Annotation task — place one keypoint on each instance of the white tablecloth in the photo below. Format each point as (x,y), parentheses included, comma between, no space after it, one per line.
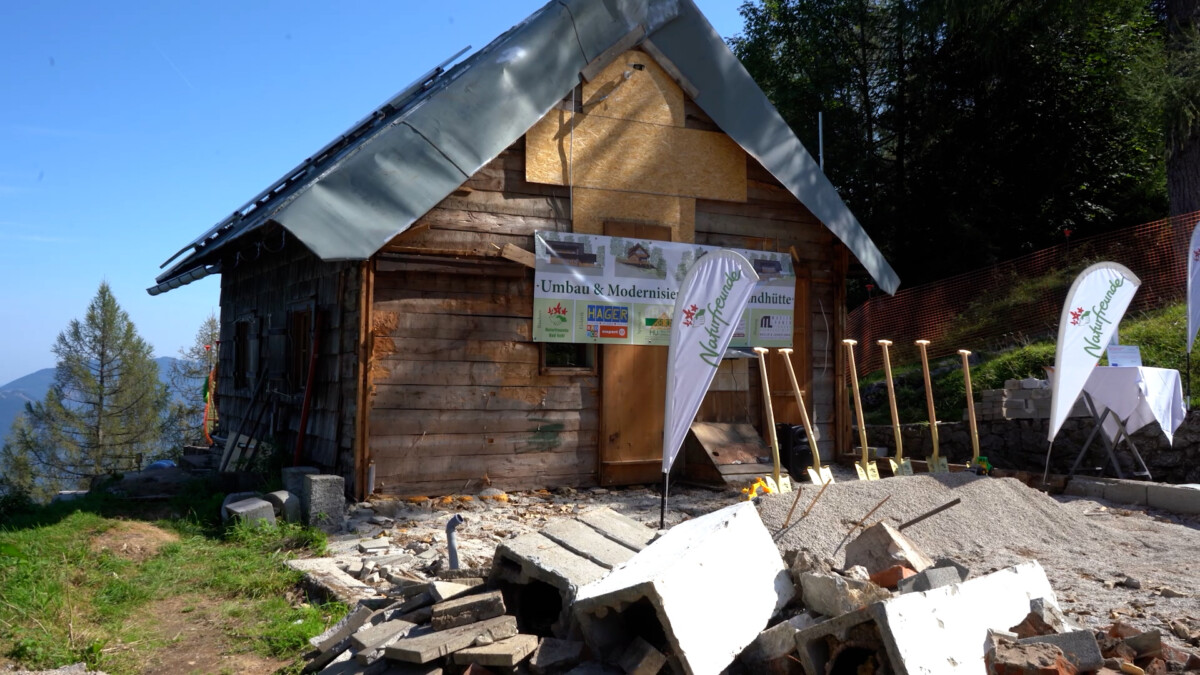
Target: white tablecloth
(1143,395)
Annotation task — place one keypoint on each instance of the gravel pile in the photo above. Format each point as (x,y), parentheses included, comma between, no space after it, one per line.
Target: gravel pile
(1089,548)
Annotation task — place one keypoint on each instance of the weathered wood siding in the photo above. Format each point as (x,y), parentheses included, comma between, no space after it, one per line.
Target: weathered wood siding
(457,396)
(261,285)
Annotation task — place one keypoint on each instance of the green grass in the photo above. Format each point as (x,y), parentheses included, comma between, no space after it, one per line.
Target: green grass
(62,603)
(1161,335)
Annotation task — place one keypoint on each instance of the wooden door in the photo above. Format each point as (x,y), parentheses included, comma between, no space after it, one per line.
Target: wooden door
(633,390)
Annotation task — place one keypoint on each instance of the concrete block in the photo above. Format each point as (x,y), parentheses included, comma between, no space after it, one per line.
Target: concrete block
(235,497)
(1126,492)
(380,635)
(882,546)
(641,658)
(666,589)
(293,478)
(324,501)
(425,648)
(1082,486)
(774,645)
(834,595)
(253,511)
(587,542)
(287,505)
(1032,659)
(532,559)
(944,630)
(1174,498)
(1032,383)
(323,576)
(554,655)
(1079,647)
(465,610)
(441,591)
(621,529)
(963,571)
(934,577)
(505,653)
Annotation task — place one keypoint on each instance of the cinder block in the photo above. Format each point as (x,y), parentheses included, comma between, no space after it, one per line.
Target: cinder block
(287,505)
(1082,486)
(929,579)
(1174,498)
(253,511)
(324,501)
(1078,646)
(675,574)
(235,497)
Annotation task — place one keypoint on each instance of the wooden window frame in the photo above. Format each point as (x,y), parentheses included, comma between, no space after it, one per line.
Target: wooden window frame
(591,369)
(244,359)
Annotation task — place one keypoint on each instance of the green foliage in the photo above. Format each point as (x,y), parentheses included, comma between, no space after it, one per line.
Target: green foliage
(186,380)
(968,131)
(105,412)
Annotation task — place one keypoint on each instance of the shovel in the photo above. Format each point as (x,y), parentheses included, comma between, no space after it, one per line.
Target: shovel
(900,466)
(866,469)
(936,463)
(970,409)
(818,474)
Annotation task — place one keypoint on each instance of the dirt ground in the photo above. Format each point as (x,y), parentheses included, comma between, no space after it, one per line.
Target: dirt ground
(132,540)
(195,629)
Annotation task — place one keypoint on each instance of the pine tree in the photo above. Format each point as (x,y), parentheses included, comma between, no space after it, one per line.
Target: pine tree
(106,410)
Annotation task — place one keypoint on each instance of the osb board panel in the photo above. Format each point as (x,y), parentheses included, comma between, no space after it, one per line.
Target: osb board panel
(592,208)
(606,153)
(635,87)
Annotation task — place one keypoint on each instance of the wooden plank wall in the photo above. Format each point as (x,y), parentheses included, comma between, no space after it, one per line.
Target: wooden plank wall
(457,397)
(262,283)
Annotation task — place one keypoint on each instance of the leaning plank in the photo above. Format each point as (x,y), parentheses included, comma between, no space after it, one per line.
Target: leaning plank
(426,648)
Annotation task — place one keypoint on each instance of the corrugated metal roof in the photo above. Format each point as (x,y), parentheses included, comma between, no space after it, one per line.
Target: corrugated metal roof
(372,183)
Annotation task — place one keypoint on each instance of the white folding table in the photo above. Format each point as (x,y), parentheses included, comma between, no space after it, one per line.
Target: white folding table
(1123,399)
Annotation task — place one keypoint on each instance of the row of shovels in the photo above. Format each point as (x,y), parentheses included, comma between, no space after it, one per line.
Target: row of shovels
(867,469)
(935,463)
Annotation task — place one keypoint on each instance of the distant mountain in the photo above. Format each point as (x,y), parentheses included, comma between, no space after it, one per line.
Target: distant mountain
(33,387)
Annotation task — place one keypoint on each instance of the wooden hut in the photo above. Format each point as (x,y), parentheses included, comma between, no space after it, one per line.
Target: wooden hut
(377,302)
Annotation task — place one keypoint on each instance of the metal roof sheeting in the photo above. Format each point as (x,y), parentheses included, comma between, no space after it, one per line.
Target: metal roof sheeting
(376,180)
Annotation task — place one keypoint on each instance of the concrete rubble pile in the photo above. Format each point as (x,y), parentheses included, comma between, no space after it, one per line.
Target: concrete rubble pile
(601,593)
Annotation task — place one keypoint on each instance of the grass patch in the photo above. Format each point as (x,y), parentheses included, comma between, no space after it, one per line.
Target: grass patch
(64,602)
(1160,334)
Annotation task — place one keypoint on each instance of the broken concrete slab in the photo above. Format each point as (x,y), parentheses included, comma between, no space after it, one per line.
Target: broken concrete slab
(252,511)
(505,653)
(379,635)
(533,561)
(335,641)
(345,664)
(287,505)
(323,501)
(834,595)
(641,658)
(666,589)
(554,655)
(943,630)
(771,652)
(1080,647)
(928,579)
(881,546)
(621,529)
(425,648)
(469,609)
(1027,659)
(587,542)
(323,576)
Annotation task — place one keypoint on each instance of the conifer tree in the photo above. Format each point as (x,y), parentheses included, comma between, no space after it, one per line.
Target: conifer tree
(106,411)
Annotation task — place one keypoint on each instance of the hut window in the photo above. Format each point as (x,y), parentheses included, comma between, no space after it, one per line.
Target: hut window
(241,354)
(563,357)
(299,347)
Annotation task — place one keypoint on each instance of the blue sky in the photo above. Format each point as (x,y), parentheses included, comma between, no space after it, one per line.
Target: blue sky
(128,128)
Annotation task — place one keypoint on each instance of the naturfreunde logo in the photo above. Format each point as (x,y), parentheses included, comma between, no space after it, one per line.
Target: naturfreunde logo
(711,318)
(1096,318)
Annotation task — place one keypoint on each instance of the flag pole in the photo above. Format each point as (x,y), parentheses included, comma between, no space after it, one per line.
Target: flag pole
(662,506)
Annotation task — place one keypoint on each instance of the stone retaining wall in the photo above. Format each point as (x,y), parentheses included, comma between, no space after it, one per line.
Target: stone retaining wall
(1021,445)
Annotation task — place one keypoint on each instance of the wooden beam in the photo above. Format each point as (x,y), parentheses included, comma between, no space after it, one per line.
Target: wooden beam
(631,40)
(672,70)
(518,255)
